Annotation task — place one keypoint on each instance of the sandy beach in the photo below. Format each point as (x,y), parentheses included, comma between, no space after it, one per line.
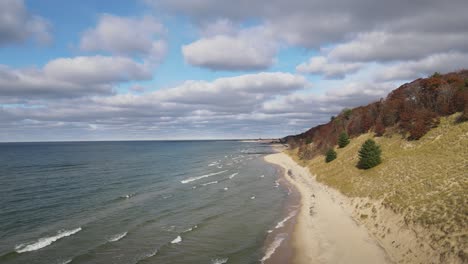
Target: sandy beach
(325,231)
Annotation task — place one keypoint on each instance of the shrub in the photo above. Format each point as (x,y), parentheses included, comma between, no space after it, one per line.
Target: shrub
(369,155)
(379,128)
(464,116)
(436,75)
(306,152)
(423,121)
(347,113)
(343,140)
(331,155)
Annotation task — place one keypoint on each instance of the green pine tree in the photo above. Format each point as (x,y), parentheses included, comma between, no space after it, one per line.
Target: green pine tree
(343,140)
(369,155)
(331,155)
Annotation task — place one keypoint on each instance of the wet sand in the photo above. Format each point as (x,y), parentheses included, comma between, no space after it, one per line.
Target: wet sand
(324,230)
(278,245)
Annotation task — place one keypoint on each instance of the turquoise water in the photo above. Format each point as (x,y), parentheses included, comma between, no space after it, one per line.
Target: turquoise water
(137,202)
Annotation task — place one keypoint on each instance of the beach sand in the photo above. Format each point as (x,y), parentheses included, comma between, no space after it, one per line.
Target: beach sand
(324,230)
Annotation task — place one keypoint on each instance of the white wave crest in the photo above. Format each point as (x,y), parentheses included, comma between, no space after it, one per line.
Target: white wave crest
(201,177)
(149,255)
(253,197)
(219,260)
(45,241)
(272,248)
(176,240)
(233,175)
(191,228)
(277,184)
(282,222)
(117,237)
(208,183)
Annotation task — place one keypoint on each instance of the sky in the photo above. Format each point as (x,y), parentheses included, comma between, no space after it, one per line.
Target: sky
(211,69)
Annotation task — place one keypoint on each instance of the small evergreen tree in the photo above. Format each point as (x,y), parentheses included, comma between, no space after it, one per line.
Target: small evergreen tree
(347,113)
(436,75)
(343,140)
(331,155)
(369,155)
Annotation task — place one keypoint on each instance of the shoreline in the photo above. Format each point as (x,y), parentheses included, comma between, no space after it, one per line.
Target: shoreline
(278,247)
(324,228)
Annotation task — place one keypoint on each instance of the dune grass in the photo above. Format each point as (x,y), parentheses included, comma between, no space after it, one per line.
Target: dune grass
(424,180)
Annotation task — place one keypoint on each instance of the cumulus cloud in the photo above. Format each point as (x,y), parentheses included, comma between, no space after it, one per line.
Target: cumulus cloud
(367,47)
(219,27)
(251,105)
(386,46)
(144,37)
(312,22)
(70,77)
(239,94)
(17,24)
(96,69)
(248,49)
(332,70)
(350,94)
(221,107)
(409,70)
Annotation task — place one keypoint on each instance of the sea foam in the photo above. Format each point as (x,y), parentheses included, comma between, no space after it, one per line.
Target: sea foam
(272,248)
(117,237)
(45,241)
(208,183)
(281,223)
(190,229)
(219,260)
(233,175)
(176,240)
(201,177)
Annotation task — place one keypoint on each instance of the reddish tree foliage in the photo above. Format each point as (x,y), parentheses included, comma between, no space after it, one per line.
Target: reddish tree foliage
(379,128)
(423,120)
(413,108)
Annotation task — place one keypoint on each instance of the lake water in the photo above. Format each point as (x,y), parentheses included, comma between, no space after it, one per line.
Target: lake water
(137,202)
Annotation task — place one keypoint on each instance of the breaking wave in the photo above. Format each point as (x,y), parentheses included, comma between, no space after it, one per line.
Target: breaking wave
(177,240)
(45,241)
(208,183)
(272,248)
(117,237)
(282,222)
(219,260)
(191,229)
(201,177)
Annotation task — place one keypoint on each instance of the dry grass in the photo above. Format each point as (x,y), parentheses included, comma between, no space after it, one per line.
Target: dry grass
(425,180)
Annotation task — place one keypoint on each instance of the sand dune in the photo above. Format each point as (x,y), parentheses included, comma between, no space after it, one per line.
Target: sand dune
(325,231)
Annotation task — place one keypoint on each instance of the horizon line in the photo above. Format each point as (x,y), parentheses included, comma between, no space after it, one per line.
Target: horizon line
(136,140)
